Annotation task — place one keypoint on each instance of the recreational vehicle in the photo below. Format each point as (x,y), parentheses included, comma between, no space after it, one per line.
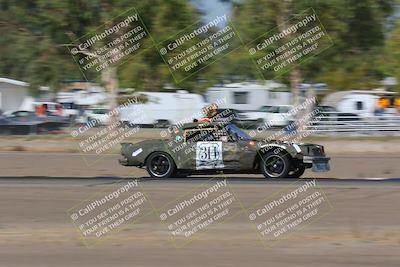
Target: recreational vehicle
(250,96)
(360,102)
(163,108)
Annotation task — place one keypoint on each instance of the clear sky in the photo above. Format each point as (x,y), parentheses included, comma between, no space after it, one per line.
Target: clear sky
(213,8)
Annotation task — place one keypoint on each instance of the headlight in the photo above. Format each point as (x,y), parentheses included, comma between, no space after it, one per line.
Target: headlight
(298,149)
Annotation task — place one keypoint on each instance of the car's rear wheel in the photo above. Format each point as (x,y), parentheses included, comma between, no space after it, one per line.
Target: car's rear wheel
(297,172)
(160,165)
(275,165)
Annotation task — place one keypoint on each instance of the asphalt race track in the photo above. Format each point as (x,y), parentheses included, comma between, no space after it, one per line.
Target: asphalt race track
(343,166)
(357,223)
(361,227)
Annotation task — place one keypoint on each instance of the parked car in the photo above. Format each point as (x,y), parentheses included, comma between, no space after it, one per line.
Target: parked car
(26,122)
(237,117)
(70,110)
(98,116)
(51,108)
(275,116)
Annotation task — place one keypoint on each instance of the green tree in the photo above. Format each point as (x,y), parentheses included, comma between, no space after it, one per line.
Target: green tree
(390,63)
(35,35)
(356,28)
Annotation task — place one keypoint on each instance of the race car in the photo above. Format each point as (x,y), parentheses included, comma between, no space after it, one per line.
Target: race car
(214,147)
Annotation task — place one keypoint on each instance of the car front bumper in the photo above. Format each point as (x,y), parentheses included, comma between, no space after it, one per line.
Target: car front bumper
(123,161)
(319,163)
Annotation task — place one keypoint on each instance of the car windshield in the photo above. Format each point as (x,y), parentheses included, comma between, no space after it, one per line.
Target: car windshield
(22,114)
(68,105)
(327,109)
(233,129)
(237,111)
(228,111)
(265,109)
(99,111)
(284,109)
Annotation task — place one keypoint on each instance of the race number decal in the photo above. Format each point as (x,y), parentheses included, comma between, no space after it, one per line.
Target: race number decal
(209,155)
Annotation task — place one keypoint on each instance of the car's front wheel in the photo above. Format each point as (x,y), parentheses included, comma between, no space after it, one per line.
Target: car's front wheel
(275,165)
(160,165)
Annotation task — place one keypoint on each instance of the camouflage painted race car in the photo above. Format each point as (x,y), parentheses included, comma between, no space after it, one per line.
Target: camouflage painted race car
(204,148)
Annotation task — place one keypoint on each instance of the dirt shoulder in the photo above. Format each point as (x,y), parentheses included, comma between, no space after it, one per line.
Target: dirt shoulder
(67,144)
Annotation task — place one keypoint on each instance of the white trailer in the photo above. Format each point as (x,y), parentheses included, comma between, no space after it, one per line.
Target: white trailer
(250,96)
(360,102)
(163,108)
(13,93)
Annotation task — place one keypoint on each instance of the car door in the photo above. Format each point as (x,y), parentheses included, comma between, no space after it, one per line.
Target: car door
(230,155)
(208,149)
(245,149)
(198,151)
(230,148)
(270,115)
(210,155)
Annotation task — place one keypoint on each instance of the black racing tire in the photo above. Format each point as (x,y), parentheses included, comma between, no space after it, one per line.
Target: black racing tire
(160,165)
(275,165)
(297,172)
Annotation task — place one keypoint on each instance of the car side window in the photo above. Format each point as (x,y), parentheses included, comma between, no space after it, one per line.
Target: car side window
(207,134)
(197,135)
(222,134)
(283,109)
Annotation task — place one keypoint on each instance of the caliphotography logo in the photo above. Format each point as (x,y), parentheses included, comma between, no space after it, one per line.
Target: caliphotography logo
(290,43)
(198,46)
(200,210)
(110,44)
(105,129)
(300,204)
(111,211)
